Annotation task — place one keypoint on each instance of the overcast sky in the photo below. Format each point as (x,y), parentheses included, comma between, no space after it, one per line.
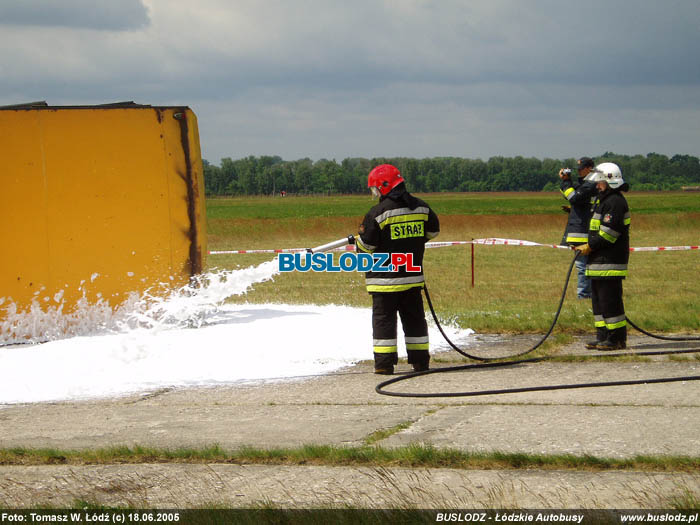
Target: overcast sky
(363,78)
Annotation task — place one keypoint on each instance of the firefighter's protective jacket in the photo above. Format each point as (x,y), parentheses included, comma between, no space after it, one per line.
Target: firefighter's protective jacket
(609,237)
(400,223)
(580,196)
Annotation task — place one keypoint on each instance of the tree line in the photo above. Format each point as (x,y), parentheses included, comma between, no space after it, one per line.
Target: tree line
(269,175)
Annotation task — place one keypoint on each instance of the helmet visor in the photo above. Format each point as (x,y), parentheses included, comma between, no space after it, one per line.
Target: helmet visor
(375,192)
(596,175)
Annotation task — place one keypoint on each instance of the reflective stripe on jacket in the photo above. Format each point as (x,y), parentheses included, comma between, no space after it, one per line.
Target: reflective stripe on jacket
(580,196)
(609,237)
(400,223)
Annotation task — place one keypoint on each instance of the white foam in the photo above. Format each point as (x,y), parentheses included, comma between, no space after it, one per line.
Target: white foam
(159,308)
(187,338)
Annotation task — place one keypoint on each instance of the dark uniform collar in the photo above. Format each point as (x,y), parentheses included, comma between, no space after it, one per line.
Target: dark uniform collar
(396,193)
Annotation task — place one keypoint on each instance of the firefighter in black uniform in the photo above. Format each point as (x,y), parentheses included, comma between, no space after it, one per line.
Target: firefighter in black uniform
(608,250)
(580,195)
(400,223)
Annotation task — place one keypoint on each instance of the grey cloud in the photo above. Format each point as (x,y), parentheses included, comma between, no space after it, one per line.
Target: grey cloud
(609,42)
(371,44)
(107,15)
(339,129)
(464,43)
(328,78)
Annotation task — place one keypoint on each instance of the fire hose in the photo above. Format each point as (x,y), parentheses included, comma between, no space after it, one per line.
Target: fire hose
(487,362)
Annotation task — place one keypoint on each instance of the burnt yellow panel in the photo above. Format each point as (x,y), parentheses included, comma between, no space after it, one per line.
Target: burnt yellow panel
(99,201)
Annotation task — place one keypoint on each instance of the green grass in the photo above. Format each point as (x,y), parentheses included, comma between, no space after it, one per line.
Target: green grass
(525,203)
(381,434)
(685,500)
(517,289)
(413,456)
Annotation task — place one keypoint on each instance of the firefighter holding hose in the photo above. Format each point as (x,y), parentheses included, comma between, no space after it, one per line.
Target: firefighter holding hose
(608,254)
(399,223)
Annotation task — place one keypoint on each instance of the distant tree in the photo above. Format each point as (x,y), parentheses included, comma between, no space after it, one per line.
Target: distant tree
(270,174)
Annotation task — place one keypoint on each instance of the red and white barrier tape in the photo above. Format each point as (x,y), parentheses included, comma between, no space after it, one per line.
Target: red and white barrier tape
(663,248)
(490,241)
(515,242)
(348,248)
(446,243)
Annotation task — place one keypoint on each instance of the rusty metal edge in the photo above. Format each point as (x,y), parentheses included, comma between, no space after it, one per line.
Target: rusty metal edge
(195,255)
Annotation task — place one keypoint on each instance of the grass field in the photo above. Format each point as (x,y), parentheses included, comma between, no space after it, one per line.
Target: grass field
(517,288)
(524,203)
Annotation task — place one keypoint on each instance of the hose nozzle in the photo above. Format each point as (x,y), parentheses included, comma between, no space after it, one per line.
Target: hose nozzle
(350,239)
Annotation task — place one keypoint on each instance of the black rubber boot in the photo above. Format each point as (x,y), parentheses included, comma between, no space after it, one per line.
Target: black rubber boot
(607,346)
(601,334)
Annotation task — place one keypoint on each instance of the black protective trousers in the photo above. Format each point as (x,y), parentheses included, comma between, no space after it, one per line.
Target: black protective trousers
(609,310)
(409,305)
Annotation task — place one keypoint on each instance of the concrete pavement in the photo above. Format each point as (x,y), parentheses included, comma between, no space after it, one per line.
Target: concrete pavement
(343,409)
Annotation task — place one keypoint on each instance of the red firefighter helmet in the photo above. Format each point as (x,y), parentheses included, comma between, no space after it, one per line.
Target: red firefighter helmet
(384,178)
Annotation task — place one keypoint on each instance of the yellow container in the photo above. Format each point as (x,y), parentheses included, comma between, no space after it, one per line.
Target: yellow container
(98,201)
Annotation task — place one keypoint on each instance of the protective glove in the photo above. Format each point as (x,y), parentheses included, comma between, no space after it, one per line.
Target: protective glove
(566,209)
(584,249)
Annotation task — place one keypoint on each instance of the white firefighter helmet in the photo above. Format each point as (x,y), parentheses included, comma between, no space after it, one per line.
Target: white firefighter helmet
(610,173)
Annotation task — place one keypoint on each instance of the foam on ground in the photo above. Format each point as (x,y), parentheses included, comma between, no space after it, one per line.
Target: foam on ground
(188,338)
